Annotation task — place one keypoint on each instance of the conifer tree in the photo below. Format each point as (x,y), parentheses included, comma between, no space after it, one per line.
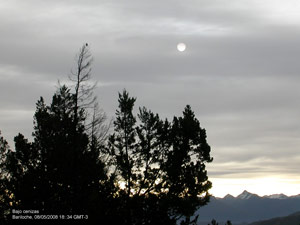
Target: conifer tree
(160,164)
(4,191)
(149,171)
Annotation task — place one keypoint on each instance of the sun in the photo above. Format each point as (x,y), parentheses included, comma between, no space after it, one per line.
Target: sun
(181,47)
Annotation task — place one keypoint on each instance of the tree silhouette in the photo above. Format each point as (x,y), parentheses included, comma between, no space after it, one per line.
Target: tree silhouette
(4,192)
(58,172)
(160,164)
(214,222)
(84,97)
(155,173)
(149,170)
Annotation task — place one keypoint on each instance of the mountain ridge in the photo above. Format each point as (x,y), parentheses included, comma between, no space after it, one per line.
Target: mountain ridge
(292,219)
(273,196)
(248,207)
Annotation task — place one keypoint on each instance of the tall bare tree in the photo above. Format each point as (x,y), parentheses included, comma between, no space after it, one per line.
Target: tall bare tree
(81,75)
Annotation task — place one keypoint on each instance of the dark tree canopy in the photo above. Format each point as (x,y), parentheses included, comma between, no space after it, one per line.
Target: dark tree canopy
(4,192)
(159,163)
(57,172)
(214,222)
(148,171)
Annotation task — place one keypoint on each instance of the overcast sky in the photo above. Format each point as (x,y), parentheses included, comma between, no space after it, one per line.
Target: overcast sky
(240,73)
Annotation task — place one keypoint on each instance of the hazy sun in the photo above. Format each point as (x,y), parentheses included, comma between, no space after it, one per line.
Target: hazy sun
(181,47)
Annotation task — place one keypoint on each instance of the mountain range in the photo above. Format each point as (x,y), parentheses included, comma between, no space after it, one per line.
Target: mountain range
(247,208)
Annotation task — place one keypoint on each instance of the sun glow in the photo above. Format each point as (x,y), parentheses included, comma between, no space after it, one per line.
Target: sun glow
(181,47)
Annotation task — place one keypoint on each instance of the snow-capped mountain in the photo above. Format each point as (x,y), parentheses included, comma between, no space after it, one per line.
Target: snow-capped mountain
(281,196)
(246,195)
(276,196)
(248,207)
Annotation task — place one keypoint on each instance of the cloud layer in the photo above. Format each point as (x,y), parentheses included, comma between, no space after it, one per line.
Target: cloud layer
(240,72)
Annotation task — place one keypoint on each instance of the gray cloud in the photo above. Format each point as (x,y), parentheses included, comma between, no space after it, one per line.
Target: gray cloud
(239,73)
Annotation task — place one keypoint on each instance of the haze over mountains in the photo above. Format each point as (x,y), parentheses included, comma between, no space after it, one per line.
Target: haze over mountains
(248,207)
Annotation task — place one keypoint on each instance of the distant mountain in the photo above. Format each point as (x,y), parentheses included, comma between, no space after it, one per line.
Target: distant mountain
(276,196)
(247,195)
(293,219)
(248,207)
(281,196)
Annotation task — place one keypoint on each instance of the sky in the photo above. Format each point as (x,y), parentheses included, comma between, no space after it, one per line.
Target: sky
(240,73)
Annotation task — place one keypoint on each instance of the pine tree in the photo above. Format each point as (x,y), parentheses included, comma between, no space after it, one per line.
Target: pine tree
(5,193)
(122,144)
(149,171)
(160,164)
(58,172)
(185,175)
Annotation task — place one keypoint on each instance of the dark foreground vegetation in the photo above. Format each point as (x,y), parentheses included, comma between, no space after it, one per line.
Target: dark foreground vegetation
(145,171)
(293,219)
